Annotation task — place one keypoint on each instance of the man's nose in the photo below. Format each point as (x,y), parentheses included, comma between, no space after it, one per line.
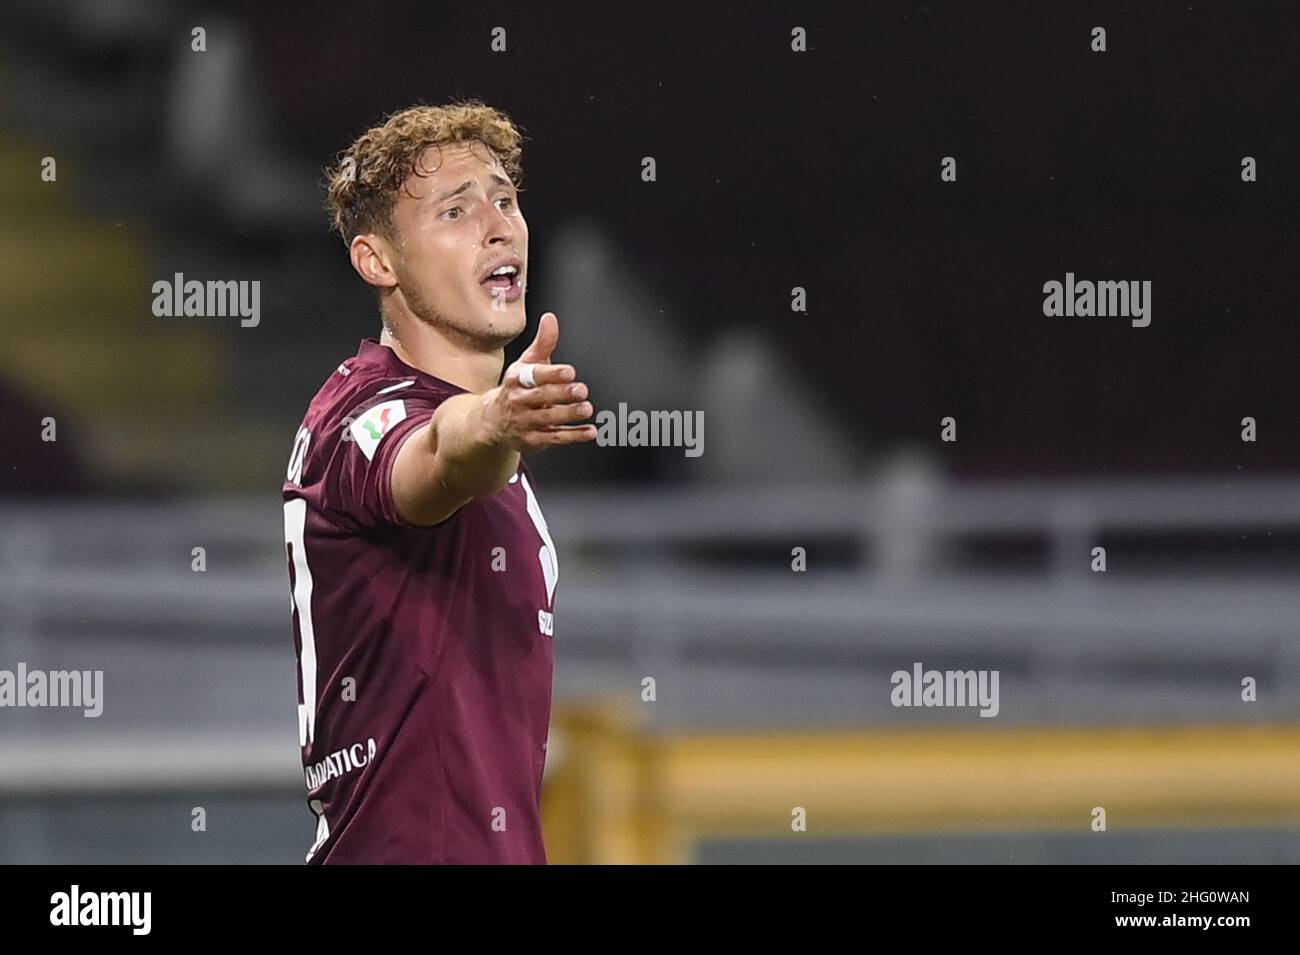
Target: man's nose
(499,228)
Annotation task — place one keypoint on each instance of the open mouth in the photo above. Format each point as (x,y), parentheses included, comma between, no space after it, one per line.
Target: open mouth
(505,283)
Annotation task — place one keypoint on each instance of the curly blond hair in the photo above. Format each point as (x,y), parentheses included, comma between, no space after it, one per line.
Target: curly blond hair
(364,182)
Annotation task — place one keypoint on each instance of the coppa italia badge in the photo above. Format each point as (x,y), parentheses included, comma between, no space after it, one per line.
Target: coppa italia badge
(370,428)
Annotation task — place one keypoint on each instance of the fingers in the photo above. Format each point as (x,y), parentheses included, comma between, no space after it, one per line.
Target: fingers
(543,403)
(544,342)
(578,434)
(555,415)
(542,374)
(545,395)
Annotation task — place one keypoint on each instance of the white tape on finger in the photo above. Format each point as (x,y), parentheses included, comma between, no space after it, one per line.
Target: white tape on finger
(526,376)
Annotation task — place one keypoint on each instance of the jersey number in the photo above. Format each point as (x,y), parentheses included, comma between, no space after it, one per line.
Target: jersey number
(295,526)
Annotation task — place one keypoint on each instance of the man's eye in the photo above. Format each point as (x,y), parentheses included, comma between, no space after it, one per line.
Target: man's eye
(508,200)
(455,209)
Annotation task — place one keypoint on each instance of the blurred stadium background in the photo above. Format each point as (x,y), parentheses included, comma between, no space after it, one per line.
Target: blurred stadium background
(1120,690)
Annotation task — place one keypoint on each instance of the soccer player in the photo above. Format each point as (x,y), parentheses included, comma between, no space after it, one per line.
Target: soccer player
(422,572)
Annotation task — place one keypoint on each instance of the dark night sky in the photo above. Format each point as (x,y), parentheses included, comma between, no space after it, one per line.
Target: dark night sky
(821,169)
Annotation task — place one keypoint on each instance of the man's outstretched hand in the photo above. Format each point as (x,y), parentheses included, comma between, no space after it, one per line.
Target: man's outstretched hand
(471,446)
(538,404)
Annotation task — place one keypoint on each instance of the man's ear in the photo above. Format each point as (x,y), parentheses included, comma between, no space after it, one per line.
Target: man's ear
(372,257)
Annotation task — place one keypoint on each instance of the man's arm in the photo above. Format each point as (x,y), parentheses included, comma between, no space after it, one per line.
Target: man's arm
(471,446)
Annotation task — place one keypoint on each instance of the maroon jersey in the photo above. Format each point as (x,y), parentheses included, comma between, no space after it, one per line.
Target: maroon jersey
(424,654)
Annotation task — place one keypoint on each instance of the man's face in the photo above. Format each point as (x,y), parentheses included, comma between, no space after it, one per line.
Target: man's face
(457,220)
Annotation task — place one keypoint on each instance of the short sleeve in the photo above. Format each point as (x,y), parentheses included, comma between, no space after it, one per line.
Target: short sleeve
(359,474)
